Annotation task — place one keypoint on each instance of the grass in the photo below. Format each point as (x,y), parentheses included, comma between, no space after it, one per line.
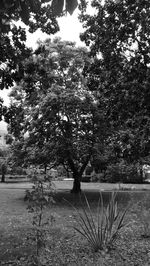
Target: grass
(65,246)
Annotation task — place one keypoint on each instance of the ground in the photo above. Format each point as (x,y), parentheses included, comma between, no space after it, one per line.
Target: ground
(65,246)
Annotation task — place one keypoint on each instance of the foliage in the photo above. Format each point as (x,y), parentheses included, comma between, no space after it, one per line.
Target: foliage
(12,40)
(124,173)
(103,232)
(16,9)
(118,36)
(35,14)
(58,6)
(54,117)
(39,198)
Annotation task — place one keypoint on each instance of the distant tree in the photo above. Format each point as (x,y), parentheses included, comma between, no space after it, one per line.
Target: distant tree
(3,171)
(55,110)
(118,35)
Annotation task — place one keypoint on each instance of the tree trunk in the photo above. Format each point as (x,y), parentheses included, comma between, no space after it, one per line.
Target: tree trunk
(76,183)
(3,178)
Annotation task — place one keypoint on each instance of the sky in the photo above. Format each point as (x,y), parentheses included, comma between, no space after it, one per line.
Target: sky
(70,29)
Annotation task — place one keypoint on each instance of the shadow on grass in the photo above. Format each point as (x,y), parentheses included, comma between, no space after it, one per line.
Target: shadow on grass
(65,198)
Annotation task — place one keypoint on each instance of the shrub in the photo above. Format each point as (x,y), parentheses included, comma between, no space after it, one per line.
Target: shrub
(123,172)
(102,231)
(86,178)
(39,197)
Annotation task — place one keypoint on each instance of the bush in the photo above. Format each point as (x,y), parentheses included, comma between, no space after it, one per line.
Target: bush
(86,178)
(124,173)
(16,171)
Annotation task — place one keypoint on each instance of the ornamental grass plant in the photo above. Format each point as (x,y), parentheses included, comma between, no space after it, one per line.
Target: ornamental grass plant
(103,229)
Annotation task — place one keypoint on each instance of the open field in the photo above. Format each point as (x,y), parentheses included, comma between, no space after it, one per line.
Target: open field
(66,246)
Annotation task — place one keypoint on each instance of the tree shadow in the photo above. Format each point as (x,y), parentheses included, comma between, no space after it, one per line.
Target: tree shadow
(65,198)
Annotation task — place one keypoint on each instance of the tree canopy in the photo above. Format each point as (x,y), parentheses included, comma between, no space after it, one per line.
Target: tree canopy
(53,106)
(118,35)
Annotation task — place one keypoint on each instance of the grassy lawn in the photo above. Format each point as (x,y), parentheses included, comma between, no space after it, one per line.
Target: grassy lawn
(65,246)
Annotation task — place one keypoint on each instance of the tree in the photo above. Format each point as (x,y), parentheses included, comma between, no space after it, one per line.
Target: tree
(3,170)
(3,163)
(119,37)
(53,106)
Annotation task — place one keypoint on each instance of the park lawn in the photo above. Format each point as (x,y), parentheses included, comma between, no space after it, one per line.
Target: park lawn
(64,245)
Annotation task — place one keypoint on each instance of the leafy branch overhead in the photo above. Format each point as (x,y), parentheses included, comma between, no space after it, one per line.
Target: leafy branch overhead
(36,14)
(15,8)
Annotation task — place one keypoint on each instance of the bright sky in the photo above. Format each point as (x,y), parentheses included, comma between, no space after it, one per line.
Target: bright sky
(70,29)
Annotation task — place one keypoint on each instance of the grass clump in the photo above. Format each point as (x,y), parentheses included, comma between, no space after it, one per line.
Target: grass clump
(103,230)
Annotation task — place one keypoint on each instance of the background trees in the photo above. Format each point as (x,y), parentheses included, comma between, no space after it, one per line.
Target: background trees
(119,38)
(53,107)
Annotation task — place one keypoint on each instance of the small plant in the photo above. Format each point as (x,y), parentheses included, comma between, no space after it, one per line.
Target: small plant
(39,198)
(144,216)
(101,231)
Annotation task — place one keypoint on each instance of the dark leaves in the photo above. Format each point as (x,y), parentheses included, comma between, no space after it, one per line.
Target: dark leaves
(71,6)
(57,7)
(24,12)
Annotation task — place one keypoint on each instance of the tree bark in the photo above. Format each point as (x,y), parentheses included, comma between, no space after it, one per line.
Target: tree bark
(76,184)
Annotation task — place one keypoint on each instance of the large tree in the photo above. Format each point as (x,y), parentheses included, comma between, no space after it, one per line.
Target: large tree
(54,109)
(118,35)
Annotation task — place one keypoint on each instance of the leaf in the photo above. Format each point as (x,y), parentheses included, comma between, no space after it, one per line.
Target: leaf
(57,7)
(2,6)
(34,5)
(8,3)
(71,6)
(24,13)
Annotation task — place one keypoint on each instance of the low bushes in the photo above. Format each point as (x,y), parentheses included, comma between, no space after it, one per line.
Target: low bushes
(124,173)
